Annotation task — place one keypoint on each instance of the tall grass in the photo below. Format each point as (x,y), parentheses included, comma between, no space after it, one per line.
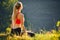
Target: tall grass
(37,37)
(53,35)
(49,35)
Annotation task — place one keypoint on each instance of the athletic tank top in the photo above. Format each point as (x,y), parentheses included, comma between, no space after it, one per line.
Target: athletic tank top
(17,21)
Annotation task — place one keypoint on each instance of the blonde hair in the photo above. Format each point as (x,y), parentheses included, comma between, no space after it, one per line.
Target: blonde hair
(15,10)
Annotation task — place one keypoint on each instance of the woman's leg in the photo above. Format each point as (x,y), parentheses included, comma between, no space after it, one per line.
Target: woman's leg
(16,31)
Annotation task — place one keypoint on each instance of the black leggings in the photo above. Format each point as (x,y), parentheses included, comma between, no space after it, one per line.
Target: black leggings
(16,31)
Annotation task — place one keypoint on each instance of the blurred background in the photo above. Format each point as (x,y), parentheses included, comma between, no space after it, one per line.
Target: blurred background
(39,14)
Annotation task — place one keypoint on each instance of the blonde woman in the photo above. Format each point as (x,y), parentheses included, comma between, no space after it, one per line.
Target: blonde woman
(17,19)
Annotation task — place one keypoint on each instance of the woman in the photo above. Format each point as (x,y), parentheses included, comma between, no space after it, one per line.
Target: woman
(17,19)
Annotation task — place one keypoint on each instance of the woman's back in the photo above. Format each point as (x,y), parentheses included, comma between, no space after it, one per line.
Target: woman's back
(18,19)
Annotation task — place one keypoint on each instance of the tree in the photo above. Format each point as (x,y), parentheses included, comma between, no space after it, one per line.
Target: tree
(6,7)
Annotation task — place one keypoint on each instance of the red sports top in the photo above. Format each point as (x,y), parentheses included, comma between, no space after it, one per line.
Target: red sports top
(17,21)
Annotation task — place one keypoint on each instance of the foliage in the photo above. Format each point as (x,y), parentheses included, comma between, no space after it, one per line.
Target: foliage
(6,7)
(49,35)
(46,36)
(8,30)
(58,23)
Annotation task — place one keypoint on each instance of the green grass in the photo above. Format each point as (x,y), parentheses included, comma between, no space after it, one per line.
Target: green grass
(46,36)
(49,35)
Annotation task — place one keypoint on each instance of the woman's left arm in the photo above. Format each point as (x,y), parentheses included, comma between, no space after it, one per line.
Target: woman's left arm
(22,23)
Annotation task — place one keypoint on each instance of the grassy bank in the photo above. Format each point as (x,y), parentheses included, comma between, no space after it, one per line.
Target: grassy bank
(54,35)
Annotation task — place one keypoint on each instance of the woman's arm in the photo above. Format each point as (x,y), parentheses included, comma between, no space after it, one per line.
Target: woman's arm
(12,21)
(22,23)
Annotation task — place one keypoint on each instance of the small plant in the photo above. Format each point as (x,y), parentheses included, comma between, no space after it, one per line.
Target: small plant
(8,30)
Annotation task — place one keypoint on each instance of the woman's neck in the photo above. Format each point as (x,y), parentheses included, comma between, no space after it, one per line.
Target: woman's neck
(19,10)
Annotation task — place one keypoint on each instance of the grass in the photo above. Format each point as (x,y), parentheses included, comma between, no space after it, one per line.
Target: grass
(49,35)
(45,36)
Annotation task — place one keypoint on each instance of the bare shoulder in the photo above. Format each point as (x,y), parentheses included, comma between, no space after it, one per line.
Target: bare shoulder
(22,14)
(23,17)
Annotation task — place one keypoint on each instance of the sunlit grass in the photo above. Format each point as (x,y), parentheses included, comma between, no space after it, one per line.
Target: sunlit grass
(46,36)
(37,37)
(49,35)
